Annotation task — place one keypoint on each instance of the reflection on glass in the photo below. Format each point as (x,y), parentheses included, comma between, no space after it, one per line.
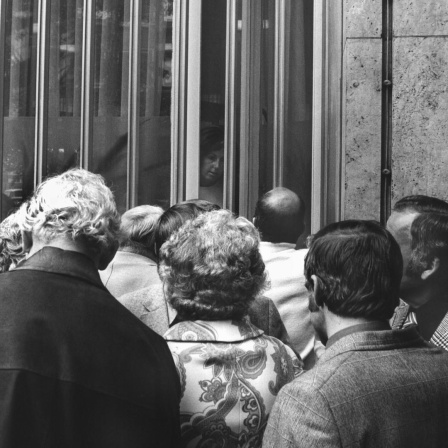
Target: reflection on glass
(64,93)
(155,103)
(19,102)
(211,168)
(298,129)
(111,76)
(213,73)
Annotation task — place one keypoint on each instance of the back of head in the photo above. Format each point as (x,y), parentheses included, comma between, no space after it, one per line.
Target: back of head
(429,236)
(137,227)
(279,216)
(421,204)
(359,266)
(10,243)
(212,267)
(76,205)
(176,216)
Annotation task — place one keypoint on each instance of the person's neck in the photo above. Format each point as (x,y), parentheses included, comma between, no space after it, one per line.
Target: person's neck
(138,249)
(431,313)
(61,243)
(335,323)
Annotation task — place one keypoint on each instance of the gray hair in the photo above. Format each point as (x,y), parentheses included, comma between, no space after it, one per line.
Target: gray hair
(138,225)
(75,204)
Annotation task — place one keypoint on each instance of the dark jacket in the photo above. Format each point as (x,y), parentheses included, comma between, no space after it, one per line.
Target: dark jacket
(76,368)
(370,389)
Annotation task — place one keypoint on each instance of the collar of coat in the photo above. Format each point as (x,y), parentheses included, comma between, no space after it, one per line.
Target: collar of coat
(65,262)
(213,331)
(375,340)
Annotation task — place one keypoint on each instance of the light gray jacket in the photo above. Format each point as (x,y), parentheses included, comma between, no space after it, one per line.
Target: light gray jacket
(369,389)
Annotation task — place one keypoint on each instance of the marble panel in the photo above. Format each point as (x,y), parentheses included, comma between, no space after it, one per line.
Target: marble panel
(363,129)
(420,117)
(363,18)
(420,17)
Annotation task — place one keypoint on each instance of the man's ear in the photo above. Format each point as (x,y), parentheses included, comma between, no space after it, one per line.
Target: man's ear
(317,291)
(433,268)
(27,241)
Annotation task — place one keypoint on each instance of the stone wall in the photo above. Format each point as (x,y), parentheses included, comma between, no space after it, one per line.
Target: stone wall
(362,63)
(420,102)
(420,99)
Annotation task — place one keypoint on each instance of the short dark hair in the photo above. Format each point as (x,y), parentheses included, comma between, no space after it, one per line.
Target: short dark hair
(279,225)
(429,239)
(176,216)
(212,267)
(359,266)
(421,204)
(211,138)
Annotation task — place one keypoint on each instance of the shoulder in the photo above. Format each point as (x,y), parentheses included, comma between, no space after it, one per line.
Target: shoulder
(149,298)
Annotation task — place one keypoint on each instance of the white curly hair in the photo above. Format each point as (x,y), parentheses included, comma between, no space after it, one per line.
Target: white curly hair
(75,204)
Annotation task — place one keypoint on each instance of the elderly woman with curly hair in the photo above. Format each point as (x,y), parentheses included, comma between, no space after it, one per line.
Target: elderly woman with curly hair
(230,371)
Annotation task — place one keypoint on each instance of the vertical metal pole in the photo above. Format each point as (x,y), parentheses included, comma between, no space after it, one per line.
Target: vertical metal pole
(178,96)
(134,103)
(2,99)
(386,112)
(41,132)
(88,66)
(229,140)
(279,89)
(193,106)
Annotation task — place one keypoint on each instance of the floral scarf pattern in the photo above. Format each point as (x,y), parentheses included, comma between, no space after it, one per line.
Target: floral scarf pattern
(230,374)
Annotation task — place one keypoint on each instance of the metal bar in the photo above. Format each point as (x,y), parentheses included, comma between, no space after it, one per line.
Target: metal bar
(279,91)
(179,92)
(193,106)
(386,112)
(88,54)
(134,103)
(229,139)
(318,121)
(2,93)
(41,131)
(250,106)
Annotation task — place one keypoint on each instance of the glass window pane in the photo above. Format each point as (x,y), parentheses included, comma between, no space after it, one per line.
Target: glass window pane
(213,73)
(19,102)
(111,74)
(299,90)
(155,103)
(64,93)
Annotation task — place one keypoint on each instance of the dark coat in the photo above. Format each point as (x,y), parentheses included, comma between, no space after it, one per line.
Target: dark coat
(76,368)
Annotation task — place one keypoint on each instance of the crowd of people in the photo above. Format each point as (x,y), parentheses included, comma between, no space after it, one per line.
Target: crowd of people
(193,327)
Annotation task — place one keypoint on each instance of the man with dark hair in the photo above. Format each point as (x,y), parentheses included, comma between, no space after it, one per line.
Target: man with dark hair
(134,266)
(279,216)
(373,386)
(420,226)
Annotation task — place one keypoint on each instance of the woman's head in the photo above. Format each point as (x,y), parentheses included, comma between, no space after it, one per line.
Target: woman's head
(212,155)
(176,216)
(212,267)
